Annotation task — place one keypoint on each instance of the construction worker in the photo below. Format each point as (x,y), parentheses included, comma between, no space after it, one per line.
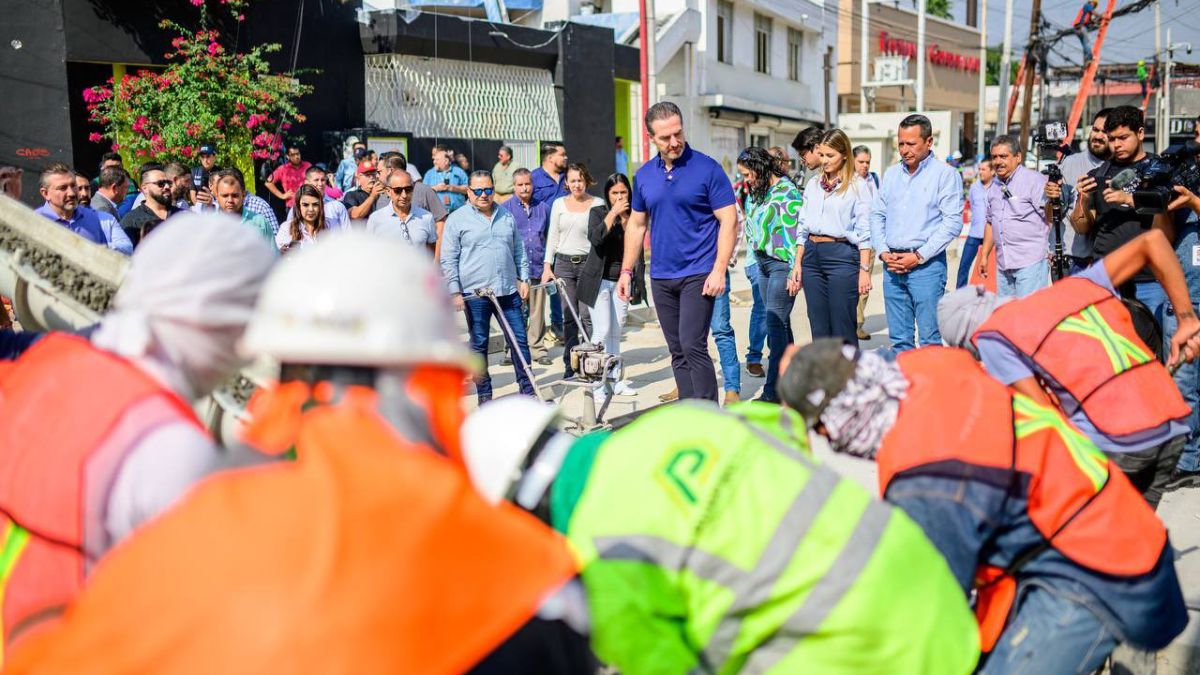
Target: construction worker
(1064,556)
(370,553)
(712,542)
(1074,345)
(98,435)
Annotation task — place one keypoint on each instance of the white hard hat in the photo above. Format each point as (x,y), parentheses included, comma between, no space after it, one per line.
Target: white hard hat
(498,436)
(356,299)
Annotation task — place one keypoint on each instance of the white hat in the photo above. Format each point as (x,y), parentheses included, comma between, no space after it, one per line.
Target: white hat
(498,436)
(356,299)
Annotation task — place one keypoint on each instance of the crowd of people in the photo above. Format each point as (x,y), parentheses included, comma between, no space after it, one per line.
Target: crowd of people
(362,520)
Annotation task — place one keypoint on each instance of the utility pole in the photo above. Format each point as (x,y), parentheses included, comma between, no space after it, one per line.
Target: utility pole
(979,144)
(1165,122)
(1030,73)
(1160,129)
(863,55)
(828,84)
(920,55)
(1005,69)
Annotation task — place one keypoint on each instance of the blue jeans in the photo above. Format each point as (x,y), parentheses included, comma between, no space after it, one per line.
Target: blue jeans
(1021,282)
(1050,633)
(1187,378)
(830,276)
(967,260)
(1152,295)
(722,332)
(758,313)
(772,279)
(479,313)
(910,302)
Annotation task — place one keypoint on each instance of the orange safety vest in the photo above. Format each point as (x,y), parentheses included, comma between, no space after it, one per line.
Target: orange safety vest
(955,419)
(364,555)
(69,413)
(1081,336)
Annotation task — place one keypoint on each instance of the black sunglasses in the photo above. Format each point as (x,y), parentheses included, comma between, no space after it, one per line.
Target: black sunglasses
(479,192)
(164,183)
(402,190)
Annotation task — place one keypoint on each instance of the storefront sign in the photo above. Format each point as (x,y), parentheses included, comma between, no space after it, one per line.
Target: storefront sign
(934,55)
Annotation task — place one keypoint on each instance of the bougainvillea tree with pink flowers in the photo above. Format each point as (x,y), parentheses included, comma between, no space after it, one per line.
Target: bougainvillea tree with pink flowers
(208,94)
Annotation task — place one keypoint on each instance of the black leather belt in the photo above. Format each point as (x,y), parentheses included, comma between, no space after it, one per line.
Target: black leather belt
(573,259)
(902,250)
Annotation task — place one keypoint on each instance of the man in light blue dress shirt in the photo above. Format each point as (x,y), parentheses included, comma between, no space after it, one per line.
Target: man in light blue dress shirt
(916,215)
(483,250)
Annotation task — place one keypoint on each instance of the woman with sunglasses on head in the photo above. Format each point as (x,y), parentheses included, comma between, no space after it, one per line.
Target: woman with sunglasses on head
(307,221)
(772,208)
(567,248)
(597,287)
(835,242)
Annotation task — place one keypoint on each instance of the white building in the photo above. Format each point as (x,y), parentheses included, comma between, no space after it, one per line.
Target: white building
(745,72)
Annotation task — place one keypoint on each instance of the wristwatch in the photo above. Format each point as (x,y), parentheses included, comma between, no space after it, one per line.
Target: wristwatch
(864,268)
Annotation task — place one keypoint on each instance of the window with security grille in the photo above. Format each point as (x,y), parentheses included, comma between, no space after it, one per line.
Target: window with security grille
(724,31)
(762,44)
(448,98)
(795,50)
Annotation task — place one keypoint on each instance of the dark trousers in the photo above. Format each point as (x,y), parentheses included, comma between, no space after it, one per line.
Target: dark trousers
(772,281)
(830,278)
(1150,470)
(967,260)
(479,313)
(684,313)
(570,272)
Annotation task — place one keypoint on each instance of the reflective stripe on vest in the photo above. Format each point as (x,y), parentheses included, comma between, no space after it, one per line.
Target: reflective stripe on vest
(1032,418)
(15,538)
(1122,352)
(751,588)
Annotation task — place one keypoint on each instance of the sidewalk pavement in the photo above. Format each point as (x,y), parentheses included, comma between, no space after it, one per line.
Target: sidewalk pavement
(648,367)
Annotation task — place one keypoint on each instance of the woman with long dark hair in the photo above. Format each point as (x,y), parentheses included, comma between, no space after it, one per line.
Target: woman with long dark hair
(772,208)
(307,221)
(597,286)
(835,242)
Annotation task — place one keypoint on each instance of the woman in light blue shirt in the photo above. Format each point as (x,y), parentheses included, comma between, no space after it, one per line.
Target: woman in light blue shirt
(834,244)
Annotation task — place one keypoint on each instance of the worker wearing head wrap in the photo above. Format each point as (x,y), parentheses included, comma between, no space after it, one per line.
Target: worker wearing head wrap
(713,543)
(98,436)
(371,552)
(1075,345)
(1066,558)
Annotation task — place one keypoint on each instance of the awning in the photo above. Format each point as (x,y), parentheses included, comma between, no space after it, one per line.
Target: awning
(448,98)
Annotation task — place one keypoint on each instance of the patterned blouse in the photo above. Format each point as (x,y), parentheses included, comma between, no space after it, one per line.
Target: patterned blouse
(771,226)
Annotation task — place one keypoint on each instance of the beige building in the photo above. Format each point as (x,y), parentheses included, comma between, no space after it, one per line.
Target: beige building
(952,68)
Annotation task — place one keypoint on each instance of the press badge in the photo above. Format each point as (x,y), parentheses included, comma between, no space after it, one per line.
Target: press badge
(1196,255)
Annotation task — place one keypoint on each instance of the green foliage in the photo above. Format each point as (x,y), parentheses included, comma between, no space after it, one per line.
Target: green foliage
(993,67)
(938,8)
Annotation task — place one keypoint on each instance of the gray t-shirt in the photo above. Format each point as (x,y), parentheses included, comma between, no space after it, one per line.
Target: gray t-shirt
(1073,168)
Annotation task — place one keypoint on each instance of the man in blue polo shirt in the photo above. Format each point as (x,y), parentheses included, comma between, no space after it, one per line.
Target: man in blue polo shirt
(62,206)
(693,228)
(549,179)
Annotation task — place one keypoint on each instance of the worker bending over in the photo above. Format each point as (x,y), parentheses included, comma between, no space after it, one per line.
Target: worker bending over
(97,436)
(711,542)
(371,552)
(1073,345)
(1065,556)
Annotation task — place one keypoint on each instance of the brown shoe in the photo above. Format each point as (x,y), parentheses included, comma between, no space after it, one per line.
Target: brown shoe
(863,335)
(731,397)
(672,395)
(756,369)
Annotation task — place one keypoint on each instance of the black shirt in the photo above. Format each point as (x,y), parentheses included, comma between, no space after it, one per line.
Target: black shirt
(141,221)
(1116,224)
(354,198)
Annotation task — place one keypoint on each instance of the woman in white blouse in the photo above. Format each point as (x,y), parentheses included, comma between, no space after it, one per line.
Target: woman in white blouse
(307,221)
(567,248)
(834,242)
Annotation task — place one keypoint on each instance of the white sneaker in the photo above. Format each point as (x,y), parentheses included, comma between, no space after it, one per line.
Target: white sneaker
(623,388)
(599,396)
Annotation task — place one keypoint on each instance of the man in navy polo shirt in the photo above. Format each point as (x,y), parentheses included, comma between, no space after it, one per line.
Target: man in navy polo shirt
(693,227)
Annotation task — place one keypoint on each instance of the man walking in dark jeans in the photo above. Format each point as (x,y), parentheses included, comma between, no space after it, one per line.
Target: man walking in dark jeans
(690,203)
(482,250)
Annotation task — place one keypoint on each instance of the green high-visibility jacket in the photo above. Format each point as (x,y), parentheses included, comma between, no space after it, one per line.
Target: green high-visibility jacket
(712,542)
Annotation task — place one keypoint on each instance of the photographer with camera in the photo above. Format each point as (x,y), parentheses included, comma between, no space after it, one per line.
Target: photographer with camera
(1078,247)
(200,191)
(1106,208)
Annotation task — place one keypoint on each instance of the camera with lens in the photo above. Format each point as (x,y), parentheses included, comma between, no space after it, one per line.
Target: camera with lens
(1050,133)
(1049,137)
(199,178)
(1154,178)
